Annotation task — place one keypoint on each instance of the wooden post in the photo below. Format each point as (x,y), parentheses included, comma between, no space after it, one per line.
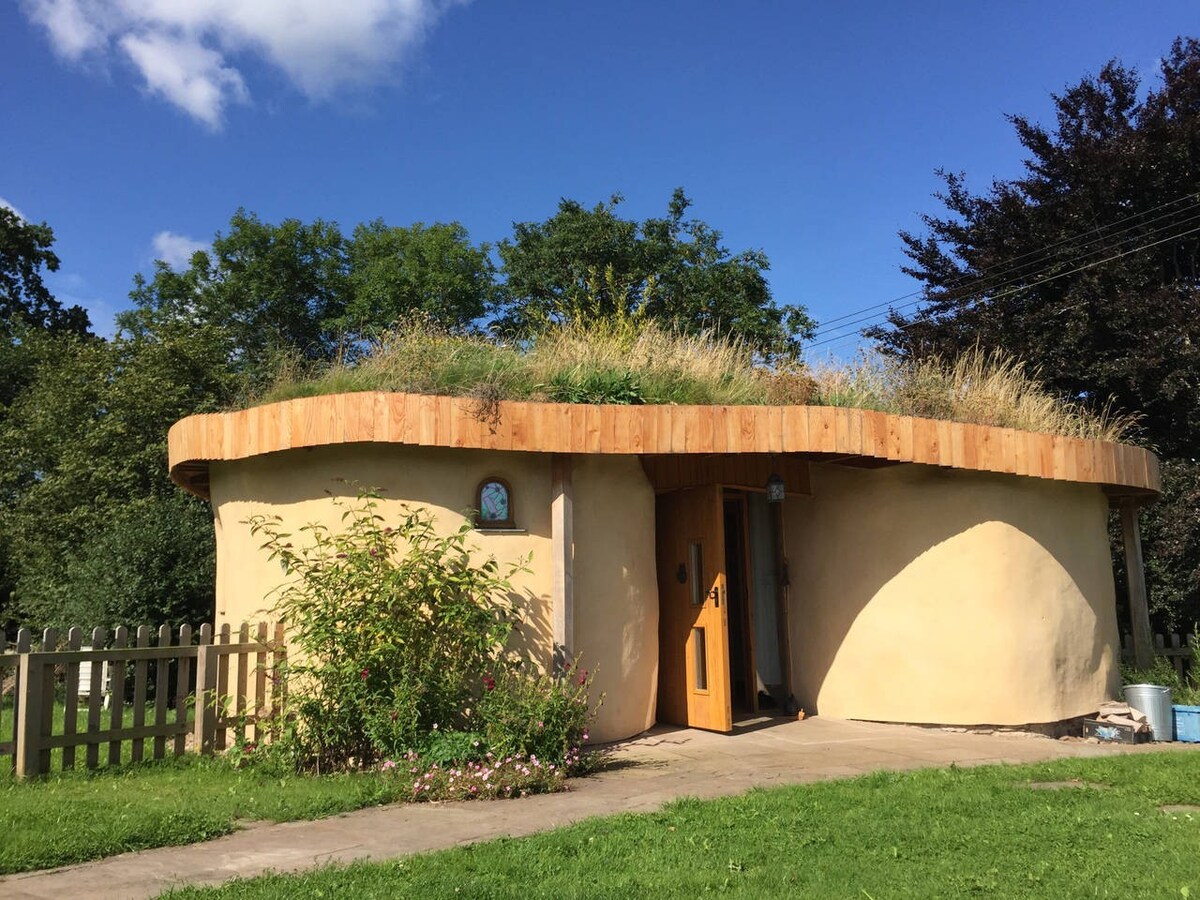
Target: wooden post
(116,714)
(96,689)
(140,667)
(71,699)
(161,672)
(31,761)
(182,689)
(562,550)
(782,604)
(1139,609)
(205,726)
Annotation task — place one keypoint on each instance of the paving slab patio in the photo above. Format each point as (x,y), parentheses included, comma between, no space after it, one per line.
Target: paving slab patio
(646,772)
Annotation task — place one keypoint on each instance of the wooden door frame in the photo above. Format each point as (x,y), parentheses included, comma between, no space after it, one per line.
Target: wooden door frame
(783,581)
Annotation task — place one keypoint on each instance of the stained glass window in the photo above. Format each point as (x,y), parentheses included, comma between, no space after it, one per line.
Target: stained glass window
(495,504)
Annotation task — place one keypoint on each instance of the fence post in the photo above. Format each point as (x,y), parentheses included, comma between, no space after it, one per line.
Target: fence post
(205,728)
(29,719)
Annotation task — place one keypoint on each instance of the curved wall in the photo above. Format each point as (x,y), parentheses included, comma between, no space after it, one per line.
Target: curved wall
(616,599)
(924,595)
(616,591)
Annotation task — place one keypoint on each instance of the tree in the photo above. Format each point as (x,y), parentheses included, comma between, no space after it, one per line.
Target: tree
(1171,532)
(26,304)
(268,289)
(433,270)
(28,311)
(304,289)
(670,269)
(86,474)
(1023,265)
(24,253)
(1088,267)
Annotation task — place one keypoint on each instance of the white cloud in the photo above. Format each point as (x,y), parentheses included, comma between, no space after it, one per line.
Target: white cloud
(7,205)
(185,50)
(189,75)
(176,249)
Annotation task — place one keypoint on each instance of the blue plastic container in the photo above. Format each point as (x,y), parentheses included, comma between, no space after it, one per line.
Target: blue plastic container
(1187,723)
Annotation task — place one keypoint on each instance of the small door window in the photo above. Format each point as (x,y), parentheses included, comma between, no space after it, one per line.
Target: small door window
(699,660)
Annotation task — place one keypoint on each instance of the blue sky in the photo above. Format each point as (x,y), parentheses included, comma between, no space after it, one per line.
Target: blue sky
(808,130)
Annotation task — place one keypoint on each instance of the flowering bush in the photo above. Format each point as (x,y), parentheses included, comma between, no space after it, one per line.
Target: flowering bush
(489,778)
(543,716)
(395,628)
(400,641)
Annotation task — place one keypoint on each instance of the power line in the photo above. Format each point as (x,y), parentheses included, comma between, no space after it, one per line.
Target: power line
(980,289)
(1010,266)
(1042,281)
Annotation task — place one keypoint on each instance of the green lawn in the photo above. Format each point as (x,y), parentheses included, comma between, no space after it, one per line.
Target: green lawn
(946,833)
(78,816)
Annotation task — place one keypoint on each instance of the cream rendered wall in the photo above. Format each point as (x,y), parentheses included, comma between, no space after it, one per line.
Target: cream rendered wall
(616,590)
(616,600)
(925,595)
(294,484)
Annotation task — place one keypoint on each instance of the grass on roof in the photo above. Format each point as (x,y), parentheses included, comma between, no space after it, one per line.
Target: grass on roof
(623,364)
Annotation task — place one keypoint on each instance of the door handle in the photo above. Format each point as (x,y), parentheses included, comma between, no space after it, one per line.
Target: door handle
(715,596)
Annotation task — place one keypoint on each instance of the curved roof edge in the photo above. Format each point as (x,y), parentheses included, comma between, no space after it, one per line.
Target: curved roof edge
(820,431)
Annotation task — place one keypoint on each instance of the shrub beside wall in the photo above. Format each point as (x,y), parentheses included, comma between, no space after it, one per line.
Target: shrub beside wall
(400,649)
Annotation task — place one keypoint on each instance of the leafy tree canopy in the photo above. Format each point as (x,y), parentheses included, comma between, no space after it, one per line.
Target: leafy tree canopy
(24,253)
(671,269)
(1086,265)
(85,451)
(432,269)
(308,290)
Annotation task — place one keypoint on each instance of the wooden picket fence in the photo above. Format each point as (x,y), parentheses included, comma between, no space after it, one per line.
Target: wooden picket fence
(182,689)
(1176,648)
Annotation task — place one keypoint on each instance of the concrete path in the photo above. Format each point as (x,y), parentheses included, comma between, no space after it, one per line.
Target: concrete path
(647,772)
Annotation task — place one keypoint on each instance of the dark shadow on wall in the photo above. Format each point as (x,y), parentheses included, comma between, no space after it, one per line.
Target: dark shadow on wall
(853,523)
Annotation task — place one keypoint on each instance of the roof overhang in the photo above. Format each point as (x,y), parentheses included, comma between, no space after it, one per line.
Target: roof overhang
(847,436)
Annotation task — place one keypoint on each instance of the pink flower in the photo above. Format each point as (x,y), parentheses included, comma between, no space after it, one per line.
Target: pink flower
(489,683)
(364,673)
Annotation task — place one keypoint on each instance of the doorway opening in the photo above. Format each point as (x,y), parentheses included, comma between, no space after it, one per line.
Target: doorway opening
(723,588)
(756,579)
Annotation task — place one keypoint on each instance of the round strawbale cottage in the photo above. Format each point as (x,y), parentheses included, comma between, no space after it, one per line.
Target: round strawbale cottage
(709,561)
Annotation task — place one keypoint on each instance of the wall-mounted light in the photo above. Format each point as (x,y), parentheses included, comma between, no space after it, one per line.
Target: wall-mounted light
(776,490)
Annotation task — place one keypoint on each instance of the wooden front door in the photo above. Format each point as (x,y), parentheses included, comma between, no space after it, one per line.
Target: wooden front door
(693,664)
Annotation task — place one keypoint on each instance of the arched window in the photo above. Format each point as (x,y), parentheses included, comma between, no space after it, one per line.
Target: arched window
(494,501)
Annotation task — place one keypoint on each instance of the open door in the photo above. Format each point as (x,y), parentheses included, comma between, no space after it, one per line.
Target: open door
(693,666)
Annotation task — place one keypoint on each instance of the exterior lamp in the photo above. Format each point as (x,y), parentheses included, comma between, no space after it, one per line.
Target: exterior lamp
(776,490)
